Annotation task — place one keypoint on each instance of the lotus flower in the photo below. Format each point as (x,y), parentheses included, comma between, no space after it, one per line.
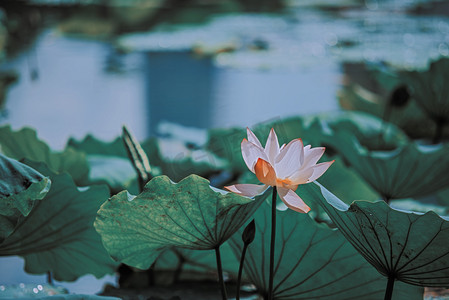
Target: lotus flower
(284,167)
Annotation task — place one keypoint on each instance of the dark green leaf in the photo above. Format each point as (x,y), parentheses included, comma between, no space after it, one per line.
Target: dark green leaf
(311,262)
(410,246)
(58,234)
(430,89)
(189,214)
(25,144)
(411,170)
(20,186)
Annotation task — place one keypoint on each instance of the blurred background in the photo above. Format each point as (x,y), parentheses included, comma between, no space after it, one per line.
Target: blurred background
(71,67)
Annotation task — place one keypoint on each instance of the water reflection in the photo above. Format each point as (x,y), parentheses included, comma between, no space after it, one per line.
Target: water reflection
(179,89)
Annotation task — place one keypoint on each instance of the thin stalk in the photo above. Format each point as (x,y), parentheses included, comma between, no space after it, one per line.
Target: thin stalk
(273,242)
(239,277)
(49,278)
(438,132)
(390,285)
(220,273)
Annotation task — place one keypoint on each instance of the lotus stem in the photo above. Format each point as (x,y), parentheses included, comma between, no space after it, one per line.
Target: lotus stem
(239,277)
(390,285)
(49,278)
(438,131)
(220,273)
(273,242)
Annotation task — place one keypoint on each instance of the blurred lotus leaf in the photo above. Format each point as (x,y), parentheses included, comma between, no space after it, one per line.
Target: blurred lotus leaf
(389,99)
(58,235)
(20,186)
(190,214)
(410,170)
(405,246)
(166,157)
(312,261)
(25,144)
(430,89)
(370,131)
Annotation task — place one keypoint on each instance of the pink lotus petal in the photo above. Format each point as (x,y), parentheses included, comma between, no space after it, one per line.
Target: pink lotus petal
(253,138)
(247,190)
(265,172)
(251,153)
(272,147)
(289,159)
(312,155)
(301,176)
(292,200)
(319,170)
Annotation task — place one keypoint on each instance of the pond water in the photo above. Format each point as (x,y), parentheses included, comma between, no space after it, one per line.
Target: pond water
(281,66)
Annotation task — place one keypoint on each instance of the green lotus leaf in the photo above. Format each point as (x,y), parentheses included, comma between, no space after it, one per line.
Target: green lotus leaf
(370,131)
(312,261)
(430,90)
(58,235)
(25,144)
(117,172)
(189,214)
(409,247)
(411,170)
(20,186)
(409,116)
(92,145)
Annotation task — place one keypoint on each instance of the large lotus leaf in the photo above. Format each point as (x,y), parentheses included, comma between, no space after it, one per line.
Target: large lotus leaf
(430,89)
(189,214)
(411,247)
(58,234)
(25,144)
(20,186)
(312,261)
(408,171)
(409,117)
(371,131)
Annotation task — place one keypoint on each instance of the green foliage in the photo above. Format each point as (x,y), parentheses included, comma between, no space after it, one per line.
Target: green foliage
(370,131)
(101,154)
(312,261)
(25,144)
(20,186)
(189,214)
(411,247)
(58,235)
(410,170)
(430,90)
